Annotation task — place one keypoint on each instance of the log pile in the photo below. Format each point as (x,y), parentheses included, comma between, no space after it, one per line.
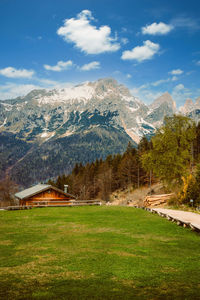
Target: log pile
(155,200)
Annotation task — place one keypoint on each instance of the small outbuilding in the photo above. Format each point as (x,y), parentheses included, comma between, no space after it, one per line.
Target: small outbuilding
(44,195)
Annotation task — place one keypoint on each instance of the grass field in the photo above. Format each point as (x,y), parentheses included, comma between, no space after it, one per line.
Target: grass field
(96,253)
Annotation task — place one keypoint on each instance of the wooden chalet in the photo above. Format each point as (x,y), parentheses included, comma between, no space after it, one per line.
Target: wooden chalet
(44,195)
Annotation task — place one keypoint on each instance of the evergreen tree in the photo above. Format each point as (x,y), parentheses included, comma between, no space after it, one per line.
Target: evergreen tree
(196,145)
(170,155)
(144,145)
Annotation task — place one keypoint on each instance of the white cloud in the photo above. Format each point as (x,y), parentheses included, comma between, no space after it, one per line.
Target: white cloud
(128,75)
(12,90)
(124,41)
(46,82)
(174,78)
(150,96)
(179,87)
(198,63)
(190,72)
(60,66)
(124,29)
(91,66)
(14,73)
(146,95)
(180,93)
(161,81)
(117,72)
(141,53)
(185,22)
(176,72)
(157,29)
(86,37)
(136,91)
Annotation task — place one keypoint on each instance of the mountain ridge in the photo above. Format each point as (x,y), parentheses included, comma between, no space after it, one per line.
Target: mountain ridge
(56,108)
(92,119)
(45,114)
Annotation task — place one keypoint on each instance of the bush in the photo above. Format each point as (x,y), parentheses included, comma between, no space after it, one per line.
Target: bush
(173,201)
(191,188)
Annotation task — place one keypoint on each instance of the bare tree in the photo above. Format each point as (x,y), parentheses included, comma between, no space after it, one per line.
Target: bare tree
(7,190)
(104,182)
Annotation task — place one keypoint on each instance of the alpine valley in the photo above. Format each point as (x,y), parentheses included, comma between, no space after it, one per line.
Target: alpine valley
(44,133)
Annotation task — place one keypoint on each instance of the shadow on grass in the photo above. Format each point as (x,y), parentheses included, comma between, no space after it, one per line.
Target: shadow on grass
(96,288)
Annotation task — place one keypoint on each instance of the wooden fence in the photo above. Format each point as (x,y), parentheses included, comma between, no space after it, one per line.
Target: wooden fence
(37,204)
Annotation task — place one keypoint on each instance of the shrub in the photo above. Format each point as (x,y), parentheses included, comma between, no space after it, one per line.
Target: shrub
(191,188)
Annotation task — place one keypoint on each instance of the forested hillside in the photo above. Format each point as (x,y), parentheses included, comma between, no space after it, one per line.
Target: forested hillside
(172,156)
(60,156)
(12,150)
(100,178)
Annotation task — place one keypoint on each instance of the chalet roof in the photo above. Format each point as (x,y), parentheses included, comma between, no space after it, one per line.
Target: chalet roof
(38,189)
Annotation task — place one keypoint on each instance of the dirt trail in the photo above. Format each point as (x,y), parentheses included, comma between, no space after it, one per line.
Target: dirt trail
(184,216)
(132,196)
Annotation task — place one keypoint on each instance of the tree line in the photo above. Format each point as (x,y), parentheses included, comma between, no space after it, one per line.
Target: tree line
(102,177)
(171,156)
(174,157)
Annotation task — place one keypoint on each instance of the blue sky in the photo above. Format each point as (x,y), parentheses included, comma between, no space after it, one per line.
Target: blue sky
(150,46)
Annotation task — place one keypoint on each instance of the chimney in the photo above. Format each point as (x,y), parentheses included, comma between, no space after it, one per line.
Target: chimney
(65,188)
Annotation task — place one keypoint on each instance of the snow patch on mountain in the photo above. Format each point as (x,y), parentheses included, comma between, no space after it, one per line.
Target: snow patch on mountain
(7,106)
(190,106)
(187,107)
(79,93)
(47,135)
(4,123)
(50,114)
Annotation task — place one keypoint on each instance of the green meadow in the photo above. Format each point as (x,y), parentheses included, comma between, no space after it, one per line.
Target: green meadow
(96,253)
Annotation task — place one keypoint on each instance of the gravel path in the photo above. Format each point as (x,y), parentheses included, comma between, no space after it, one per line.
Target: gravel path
(190,218)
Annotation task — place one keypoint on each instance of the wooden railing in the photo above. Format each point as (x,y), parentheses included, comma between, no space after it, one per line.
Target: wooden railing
(16,207)
(58,203)
(38,204)
(55,203)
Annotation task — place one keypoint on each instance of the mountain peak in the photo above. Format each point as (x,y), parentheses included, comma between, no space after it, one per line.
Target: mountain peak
(187,107)
(188,102)
(164,98)
(166,94)
(108,80)
(35,93)
(198,102)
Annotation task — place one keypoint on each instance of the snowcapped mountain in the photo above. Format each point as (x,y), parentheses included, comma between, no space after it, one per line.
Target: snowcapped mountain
(165,98)
(191,109)
(42,114)
(161,107)
(187,107)
(54,129)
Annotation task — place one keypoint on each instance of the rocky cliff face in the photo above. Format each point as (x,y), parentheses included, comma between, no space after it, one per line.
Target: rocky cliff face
(42,115)
(191,109)
(161,107)
(61,127)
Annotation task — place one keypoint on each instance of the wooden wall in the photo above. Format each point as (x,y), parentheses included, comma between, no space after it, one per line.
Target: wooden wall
(49,197)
